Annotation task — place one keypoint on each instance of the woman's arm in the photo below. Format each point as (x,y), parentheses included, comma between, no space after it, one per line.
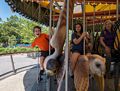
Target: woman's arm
(102,42)
(77,41)
(107,49)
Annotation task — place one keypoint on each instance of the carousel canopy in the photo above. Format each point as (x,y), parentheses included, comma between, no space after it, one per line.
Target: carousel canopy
(39,10)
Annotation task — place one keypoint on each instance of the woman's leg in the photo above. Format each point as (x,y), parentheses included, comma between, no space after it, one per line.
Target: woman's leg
(73,59)
(108,63)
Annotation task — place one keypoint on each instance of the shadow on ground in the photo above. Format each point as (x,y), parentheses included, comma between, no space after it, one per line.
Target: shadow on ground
(30,79)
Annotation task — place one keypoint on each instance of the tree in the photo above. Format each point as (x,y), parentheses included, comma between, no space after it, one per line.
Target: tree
(18,27)
(12,41)
(0,19)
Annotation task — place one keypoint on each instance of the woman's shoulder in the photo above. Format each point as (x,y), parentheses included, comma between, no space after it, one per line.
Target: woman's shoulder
(74,34)
(103,32)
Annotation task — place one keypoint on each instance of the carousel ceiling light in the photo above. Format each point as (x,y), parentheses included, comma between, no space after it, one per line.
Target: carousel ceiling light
(114,16)
(94,4)
(37,1)
(21,0)
(9,3)
(88,3)
(14,8)
(106,4)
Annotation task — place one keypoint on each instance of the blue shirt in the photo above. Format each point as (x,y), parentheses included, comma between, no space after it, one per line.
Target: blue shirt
(77,47)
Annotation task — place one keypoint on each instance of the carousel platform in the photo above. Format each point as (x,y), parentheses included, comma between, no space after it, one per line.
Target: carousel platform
(27,81)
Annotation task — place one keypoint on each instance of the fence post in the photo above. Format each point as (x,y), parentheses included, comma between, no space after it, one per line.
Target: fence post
(13,66)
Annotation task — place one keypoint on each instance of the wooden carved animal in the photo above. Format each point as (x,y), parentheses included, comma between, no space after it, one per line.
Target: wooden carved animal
(85,65)
(90,63)
(58,39)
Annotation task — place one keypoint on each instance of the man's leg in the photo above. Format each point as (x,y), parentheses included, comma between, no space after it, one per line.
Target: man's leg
(41,61)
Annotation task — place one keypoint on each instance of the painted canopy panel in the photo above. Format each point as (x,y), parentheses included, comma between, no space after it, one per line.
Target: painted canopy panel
(89,5)
(38,10)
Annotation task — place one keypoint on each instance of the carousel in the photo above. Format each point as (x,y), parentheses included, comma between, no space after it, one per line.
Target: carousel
(90,68)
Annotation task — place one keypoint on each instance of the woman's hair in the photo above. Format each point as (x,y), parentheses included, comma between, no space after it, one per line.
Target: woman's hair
(110,22)
(37,27)
(81,31)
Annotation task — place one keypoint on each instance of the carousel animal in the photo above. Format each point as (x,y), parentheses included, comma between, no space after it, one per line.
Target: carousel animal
(58,38)
(85,65)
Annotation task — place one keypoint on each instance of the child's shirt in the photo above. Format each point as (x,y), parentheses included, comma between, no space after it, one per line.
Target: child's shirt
(42,42)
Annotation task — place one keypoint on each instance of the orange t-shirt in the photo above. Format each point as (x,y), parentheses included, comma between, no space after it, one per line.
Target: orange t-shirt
(42,42)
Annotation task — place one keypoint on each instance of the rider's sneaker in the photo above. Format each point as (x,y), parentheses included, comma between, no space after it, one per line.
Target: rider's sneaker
(40,74)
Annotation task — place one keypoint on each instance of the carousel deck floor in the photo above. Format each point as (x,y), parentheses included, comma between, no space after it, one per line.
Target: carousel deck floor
(44,85)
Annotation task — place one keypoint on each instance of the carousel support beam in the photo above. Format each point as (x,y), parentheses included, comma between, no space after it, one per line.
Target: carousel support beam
(83,11)
(94,6)
(49,88)
(109,10)
(117,9)
(67,46)
(50,21)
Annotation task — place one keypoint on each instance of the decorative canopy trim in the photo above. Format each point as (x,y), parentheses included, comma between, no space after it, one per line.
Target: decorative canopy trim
(38,10)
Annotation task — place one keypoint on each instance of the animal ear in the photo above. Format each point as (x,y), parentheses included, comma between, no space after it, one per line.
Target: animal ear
(90,57)
(104,60)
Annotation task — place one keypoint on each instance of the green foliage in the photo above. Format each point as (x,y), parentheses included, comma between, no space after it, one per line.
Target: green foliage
(16,50)
(12,41)
(17,30)
(45,29)
(0,19)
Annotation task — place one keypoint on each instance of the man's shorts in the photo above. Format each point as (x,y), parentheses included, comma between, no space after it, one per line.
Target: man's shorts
(46,53)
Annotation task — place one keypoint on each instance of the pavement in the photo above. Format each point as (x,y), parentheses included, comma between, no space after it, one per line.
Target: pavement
(23,81)
(20,61)
(26,73)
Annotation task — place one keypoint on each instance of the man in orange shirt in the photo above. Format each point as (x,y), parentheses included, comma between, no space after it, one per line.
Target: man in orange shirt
(42,41)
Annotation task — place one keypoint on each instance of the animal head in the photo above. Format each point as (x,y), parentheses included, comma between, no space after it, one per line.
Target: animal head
(96,64)
(52,67)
